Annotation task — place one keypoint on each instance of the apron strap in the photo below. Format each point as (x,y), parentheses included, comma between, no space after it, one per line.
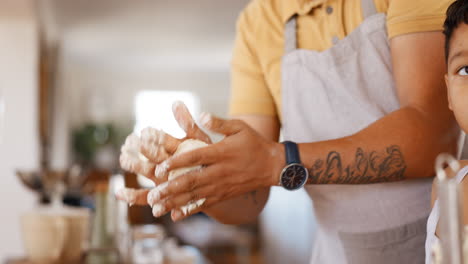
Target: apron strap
(368,8)
(464,147)
(461,174)
(290,39)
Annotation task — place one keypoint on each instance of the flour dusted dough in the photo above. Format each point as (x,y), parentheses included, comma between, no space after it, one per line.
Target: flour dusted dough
(130,157)
(188,145)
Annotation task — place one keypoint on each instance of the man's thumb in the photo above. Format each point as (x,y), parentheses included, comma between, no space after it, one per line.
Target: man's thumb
(219,125)
(182,116)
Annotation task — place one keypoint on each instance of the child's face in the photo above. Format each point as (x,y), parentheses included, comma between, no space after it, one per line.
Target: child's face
(457,75)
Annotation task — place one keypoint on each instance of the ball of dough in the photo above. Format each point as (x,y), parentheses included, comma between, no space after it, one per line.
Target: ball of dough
(186,146)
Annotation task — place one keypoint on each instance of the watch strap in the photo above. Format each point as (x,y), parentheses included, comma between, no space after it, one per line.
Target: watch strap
(292,152)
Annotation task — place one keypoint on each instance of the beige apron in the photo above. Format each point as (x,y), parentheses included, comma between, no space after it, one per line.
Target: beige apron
(336,93)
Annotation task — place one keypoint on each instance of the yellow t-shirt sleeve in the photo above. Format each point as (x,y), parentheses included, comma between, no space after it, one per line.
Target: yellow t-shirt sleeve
(249,90)
(411,16)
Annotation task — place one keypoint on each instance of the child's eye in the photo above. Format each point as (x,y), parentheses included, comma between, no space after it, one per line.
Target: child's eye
(463,71)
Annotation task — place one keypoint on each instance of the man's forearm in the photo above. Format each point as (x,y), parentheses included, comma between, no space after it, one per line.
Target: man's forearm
(405,143)
(401,145)
(366,167)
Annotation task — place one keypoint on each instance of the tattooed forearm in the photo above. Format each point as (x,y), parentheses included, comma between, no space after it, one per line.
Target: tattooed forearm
(366,168)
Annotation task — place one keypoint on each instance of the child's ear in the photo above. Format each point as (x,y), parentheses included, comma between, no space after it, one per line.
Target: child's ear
(448,92)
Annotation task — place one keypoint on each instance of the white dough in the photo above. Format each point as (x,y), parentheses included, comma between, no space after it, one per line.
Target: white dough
(188,145)
(131,157)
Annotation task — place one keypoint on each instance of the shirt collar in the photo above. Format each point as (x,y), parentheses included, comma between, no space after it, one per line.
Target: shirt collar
(299,7)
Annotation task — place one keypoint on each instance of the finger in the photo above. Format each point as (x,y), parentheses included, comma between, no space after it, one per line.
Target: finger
(193,208)
(221,126)
(186,122)
(154,153)
(201,156)
(197,133)
(130,158)
(185,183)
(132,144)
(182,200)
(186,202)
(161,172)
(133,196)
(132,163)
(151,145)
(154,137)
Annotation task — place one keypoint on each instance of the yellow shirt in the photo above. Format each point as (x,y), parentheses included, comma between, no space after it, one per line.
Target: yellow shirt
(256,62)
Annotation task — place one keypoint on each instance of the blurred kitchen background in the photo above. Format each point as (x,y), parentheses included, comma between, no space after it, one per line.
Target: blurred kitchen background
(75,78)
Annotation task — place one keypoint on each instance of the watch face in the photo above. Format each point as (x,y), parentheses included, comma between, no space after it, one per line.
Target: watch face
(294,176)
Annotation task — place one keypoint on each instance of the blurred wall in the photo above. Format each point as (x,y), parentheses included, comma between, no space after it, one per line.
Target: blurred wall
(19,140)
(112,49)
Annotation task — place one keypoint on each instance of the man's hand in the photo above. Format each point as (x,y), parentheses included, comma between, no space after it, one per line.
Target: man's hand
(242,162)
(156,146)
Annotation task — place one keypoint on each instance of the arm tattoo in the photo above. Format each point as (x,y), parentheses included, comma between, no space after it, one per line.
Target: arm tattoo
(366,168)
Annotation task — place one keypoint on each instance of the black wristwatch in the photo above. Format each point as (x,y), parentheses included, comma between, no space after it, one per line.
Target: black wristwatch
(294,175)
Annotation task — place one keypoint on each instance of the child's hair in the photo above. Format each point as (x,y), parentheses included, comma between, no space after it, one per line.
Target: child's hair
(457,13)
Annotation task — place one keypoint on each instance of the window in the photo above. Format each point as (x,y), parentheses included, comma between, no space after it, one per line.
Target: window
(154,109)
